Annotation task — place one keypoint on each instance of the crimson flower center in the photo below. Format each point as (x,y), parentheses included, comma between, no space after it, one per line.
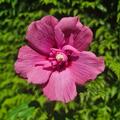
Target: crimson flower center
(59,58)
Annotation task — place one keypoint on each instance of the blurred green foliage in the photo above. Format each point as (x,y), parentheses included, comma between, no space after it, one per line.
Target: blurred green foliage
(97,100)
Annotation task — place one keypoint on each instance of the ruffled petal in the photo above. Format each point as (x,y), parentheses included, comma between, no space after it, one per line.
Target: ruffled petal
(27,58)
(40,34)
(75,34)
(86,67)
(83,38)
(67,24)
(60,87)
(38,75)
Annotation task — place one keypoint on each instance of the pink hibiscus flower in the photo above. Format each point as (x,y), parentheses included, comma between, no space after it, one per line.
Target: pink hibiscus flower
(55,57)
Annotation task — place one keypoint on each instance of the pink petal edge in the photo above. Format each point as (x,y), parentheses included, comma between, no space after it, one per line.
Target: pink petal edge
(60,87)
(40,34)
(27,58)
(87,67)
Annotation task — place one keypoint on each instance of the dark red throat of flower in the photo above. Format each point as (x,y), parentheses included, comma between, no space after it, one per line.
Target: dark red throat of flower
(59,58)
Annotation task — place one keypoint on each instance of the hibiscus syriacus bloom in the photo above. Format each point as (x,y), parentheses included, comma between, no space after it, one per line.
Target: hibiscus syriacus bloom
(56,57)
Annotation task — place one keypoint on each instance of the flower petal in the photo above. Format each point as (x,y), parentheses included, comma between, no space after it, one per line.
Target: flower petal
(59,36)
(83,38)
(60,86)
(86,67)
(40,34)
(27,58)
(67,24)
(38,75)
(64,29)
(79,25)
(70,48)
(75,34)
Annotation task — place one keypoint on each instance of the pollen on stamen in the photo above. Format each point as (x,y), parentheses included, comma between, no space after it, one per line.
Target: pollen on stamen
(59,57)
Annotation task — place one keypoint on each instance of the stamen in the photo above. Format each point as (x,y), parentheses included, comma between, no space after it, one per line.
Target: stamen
(59,57)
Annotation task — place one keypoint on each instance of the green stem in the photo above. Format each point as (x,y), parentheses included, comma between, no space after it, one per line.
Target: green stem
(52,110)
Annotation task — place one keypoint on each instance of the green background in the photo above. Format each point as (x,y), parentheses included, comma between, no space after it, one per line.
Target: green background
(97,100)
